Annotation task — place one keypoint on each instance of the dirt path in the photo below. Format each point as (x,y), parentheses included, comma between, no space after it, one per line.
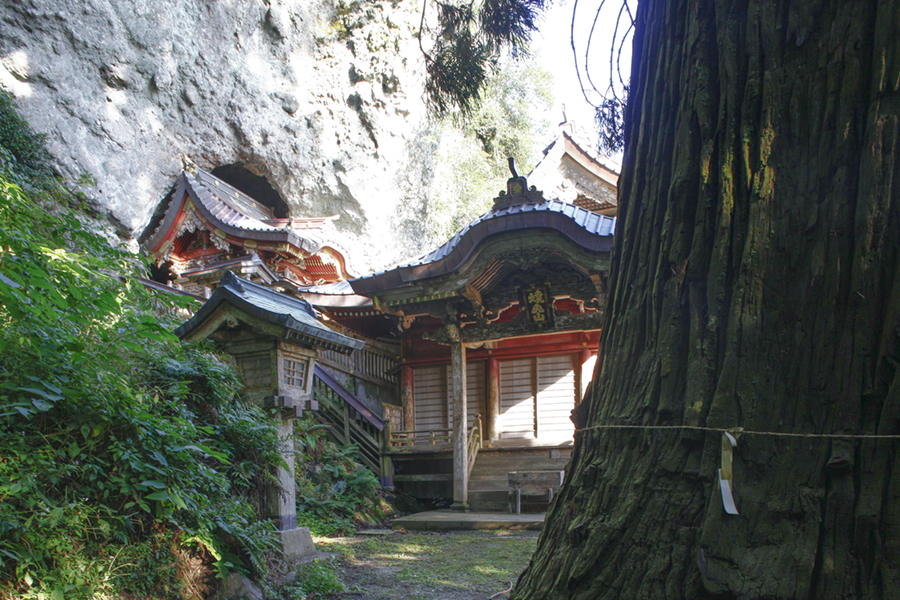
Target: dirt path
(471,565)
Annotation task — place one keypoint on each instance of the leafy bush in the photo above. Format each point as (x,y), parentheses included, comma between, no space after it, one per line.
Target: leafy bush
(122,452)
(334,492)
(302,581)
(311,580)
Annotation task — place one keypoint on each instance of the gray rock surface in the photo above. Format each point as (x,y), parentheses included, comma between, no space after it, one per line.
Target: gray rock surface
(325,102)
(238,587)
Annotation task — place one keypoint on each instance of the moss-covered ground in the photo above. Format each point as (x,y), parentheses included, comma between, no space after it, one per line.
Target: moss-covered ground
(429,565)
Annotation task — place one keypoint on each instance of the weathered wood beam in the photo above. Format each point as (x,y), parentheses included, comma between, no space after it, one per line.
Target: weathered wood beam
(492,418)
(460,433)
(516,328)
(423,477)
(406,397)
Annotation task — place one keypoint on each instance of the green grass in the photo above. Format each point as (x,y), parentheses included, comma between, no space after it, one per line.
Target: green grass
(429,566)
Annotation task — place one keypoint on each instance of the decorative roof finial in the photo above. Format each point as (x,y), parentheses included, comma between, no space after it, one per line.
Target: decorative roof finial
(229,279)
(517,191)
(187,164)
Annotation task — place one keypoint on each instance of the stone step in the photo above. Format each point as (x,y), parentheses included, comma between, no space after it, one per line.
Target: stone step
(491,472)
(498,459)
(489,454)
(489,501)
(505,467)
(449,520)
(504,473)
(503,456)
(499,502)
(488,485)
(494,484)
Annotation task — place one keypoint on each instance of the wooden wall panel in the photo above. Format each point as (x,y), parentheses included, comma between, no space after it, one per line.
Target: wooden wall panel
(430,397)
(557,395)
(475,391)
(517,399)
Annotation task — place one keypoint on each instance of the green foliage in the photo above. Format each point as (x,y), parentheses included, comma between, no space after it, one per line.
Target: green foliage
(458,63)
(334,491)
(308,581)
(466,42)
(159,564)
(472,158)
(120,449)
(609,117)
(312,580)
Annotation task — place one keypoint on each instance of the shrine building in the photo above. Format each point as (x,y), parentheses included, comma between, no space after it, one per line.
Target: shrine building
(455,369)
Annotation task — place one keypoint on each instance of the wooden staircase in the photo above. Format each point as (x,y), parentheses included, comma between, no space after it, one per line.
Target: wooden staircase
(489,481)
(350,421)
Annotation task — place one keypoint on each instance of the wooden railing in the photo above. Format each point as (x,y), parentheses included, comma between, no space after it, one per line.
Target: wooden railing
(435,439)
(377,366)
(474,444)
(350,421)
(406,440)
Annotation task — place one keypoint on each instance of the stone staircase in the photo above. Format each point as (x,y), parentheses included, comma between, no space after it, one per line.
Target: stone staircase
(489,482)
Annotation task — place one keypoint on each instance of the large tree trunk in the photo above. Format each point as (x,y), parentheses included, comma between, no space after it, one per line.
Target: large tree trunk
(755,283)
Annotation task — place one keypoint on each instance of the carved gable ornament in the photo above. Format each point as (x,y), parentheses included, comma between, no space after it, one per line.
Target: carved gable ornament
(517,191)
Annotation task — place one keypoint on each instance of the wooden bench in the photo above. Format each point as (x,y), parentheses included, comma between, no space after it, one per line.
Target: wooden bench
(532,483)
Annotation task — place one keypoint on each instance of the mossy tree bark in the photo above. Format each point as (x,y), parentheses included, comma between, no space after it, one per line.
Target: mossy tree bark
(755,283)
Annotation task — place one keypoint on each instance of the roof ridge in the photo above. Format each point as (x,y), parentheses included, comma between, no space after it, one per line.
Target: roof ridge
(241,285)
(580,216)
(255,204)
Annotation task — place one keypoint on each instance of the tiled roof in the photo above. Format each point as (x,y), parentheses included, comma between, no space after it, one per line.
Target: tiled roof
(576,137)
(329,296)
(295,314)
(572,170)
(236,214)
(585,227)
(339,288)
(231,208)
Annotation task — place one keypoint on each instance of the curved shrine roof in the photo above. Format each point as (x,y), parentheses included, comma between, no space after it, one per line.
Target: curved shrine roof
(295,314)
(588,229)
(234,213)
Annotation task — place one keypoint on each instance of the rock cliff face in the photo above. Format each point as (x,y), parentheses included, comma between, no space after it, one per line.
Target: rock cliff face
(323,100)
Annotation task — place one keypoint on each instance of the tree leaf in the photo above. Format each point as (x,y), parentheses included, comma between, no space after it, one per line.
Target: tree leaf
(176,499)
(74,450)
(7,281)
(42,405)
(43,393)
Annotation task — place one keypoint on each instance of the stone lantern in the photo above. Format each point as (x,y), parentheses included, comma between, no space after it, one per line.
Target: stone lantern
(274,339)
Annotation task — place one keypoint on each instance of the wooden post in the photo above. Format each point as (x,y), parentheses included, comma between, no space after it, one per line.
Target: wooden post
(346,411)
(406,398)
(460,433)
(492,418)
(387,465)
